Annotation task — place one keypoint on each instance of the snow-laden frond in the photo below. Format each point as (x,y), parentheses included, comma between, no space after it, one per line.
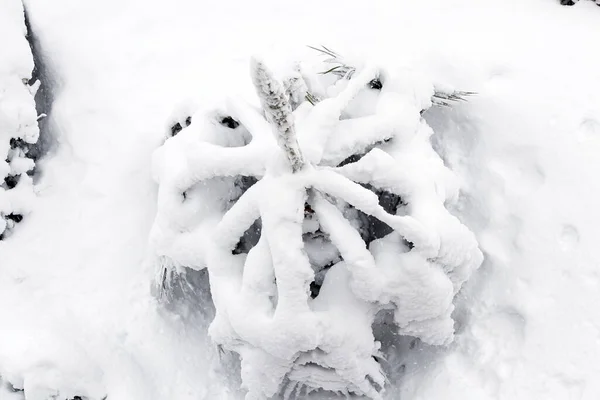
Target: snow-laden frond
(341,68)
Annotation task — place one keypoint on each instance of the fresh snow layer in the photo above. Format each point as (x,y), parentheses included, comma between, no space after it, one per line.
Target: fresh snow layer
(77,314)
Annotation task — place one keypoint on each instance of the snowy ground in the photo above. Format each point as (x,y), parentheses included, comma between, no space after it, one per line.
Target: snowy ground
(76,310)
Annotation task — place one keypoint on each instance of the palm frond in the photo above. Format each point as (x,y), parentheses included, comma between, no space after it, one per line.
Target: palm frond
(445,99)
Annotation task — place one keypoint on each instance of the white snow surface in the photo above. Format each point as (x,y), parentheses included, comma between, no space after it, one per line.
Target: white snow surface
(76,312)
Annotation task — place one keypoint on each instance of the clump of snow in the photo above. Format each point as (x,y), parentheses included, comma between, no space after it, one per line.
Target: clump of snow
(284,306)
(18,117)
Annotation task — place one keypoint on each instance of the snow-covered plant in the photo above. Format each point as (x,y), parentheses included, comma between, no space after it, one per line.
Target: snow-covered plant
(18,130)
(312,217)
(338,66)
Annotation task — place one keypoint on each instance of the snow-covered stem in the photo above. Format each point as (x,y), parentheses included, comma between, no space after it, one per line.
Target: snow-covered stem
(278,111)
